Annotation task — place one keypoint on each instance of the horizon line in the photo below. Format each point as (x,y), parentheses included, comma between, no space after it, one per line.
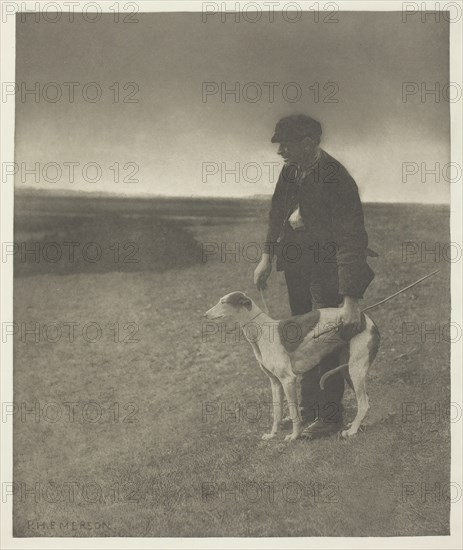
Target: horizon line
(80,192)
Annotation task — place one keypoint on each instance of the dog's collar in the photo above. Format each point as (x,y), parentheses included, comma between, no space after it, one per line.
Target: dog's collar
(247,323)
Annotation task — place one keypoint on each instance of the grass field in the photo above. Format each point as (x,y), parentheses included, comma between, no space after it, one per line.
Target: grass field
(164,437)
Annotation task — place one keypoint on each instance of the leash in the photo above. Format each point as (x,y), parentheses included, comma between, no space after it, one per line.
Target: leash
(252,319)
(264,303)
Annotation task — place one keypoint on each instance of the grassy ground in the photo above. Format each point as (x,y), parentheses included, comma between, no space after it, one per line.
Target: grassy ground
(154,448)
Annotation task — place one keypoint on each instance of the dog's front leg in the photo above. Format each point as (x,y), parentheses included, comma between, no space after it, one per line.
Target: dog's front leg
(290,388)
(277,406)
(277,403)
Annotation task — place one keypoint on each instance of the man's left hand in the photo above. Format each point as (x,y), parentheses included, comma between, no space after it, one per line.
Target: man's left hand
(350,316)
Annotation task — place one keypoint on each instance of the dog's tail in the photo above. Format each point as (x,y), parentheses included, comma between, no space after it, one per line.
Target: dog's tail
(334,371)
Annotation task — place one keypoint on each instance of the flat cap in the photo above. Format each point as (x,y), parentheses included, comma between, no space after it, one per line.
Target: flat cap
(296,128)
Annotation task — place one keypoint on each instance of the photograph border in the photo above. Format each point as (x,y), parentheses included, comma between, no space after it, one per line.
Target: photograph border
(455,539)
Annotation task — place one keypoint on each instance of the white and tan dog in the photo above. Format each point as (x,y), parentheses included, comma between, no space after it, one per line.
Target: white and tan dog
(288,348)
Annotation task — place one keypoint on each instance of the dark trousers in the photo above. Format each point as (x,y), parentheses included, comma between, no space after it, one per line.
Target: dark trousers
(308,289)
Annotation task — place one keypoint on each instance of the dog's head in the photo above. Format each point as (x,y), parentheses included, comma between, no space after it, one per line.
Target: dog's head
(235,305)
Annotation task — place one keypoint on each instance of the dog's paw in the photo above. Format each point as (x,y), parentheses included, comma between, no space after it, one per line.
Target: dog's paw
(291,437)
(271,435)
(347,433)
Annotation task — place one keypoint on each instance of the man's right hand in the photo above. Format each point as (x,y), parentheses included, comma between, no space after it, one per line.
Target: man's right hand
(262,272)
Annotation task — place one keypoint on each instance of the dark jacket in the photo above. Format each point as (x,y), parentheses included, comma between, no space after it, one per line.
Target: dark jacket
(334,226)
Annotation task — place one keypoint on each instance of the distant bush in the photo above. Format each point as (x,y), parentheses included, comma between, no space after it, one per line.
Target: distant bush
(101,243)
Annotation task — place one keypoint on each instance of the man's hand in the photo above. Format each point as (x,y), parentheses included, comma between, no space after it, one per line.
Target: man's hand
(350,316)
(262,272)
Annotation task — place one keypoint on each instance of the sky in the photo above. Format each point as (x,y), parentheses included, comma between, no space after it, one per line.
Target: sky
(172,139)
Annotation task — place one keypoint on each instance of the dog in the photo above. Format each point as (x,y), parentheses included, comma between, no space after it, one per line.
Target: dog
(288,348)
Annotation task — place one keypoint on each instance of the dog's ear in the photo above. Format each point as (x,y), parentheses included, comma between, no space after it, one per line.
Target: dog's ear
(238,299)
(245,301)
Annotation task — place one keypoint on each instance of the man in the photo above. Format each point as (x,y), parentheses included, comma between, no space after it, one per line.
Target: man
(316,231)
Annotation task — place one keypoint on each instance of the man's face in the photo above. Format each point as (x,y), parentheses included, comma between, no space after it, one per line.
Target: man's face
(296,151)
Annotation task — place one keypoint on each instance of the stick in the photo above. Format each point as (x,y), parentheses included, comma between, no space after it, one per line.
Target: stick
(365,309)
(400,291)
(341,367)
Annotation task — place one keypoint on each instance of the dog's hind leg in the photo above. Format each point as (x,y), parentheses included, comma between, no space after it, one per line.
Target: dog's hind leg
(363,350)
(362,405)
